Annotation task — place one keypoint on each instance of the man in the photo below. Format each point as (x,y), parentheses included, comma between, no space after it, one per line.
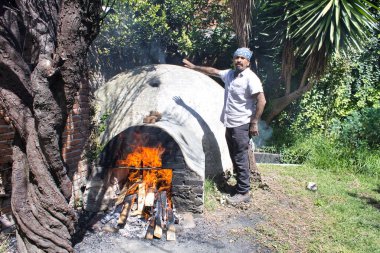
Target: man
(244,103)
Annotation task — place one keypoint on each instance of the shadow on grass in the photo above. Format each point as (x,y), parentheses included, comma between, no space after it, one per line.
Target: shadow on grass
(369,200)
(378,189)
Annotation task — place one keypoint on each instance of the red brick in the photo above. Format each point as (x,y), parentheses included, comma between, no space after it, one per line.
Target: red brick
(79,135)
(73,153)
(83,85)
(72,164)
(5,129)
(83,99)
(7,136)
(76,106)
(82,122)
(6,142)
(5,159)
(85,111)
(5,145)
(76,142)
(76,118)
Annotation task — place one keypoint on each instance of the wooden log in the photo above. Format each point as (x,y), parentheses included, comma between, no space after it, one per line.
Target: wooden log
(149,198)
(127,190)
(163,197)
(170,232)
(123,215)
(158,217)
(141,198)
(170,215)
(150,231)
(126,209)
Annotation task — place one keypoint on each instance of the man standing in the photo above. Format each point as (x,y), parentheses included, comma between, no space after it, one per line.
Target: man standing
(244,103)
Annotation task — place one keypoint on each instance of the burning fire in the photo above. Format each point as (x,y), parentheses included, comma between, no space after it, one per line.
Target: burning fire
(143,157)
(149,186)
(148,159)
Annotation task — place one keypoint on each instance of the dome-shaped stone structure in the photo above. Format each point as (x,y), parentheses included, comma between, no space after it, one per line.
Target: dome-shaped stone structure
(190,104)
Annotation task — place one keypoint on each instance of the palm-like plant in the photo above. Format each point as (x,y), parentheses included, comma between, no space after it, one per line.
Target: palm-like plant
(314,31)
(329,24)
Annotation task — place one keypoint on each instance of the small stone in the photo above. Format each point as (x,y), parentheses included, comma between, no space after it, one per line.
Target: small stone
(188,220)
(110,229)
(311,186)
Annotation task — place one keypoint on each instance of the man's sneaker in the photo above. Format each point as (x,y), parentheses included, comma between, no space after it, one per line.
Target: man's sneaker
(238,198)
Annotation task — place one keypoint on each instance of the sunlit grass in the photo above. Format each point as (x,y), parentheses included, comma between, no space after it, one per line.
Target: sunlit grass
(211,195)
(4,243)
(350,208)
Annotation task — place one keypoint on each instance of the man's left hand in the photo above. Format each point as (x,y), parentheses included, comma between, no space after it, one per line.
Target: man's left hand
(253,130)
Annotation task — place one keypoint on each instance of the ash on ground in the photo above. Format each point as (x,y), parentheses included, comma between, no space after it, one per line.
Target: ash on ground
(224,231)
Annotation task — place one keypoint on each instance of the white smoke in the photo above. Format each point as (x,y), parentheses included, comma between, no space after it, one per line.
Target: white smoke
(265,133)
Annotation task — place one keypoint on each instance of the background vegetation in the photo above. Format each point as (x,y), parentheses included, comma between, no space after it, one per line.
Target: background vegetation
(336,125)
(139,32)
(333,126)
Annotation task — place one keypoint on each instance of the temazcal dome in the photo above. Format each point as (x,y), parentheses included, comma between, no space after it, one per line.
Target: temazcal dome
(190,103)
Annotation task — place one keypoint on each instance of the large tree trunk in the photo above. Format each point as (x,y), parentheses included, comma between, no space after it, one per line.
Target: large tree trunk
(279,104)
(241,20)
(43,46)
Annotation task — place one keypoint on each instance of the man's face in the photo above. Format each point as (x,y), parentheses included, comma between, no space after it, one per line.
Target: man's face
(240,63)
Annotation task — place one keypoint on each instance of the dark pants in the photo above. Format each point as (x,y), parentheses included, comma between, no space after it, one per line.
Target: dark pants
(238,142)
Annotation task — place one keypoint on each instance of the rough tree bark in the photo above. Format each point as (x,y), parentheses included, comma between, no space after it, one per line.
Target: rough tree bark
(315,65)
(43,47)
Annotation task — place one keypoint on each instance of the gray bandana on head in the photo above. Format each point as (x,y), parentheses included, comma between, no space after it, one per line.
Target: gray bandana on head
(244,52)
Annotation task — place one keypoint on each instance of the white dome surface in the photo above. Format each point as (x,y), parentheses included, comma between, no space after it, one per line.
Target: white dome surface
(190,103)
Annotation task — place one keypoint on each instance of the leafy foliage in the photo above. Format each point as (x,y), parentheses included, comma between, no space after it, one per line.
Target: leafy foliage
(140,32)
(359,130)
(330,24)
(328,153)
(306,34)
(336,125)
(350,84)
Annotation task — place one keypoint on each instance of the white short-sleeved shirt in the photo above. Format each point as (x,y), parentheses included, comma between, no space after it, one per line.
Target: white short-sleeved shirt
(239,104)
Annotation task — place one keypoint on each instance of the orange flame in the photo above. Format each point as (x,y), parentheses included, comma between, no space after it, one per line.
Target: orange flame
(148,157)
(158,178)
(143,157)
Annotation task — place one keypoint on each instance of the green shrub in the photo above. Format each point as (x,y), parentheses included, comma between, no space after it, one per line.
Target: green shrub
(327,153)
(297,153)
(360,129)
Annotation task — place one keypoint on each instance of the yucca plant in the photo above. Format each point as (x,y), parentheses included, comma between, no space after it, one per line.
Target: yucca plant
(330,25)
(315,30)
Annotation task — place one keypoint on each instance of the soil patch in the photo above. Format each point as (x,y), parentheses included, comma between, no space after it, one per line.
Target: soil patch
(278,219)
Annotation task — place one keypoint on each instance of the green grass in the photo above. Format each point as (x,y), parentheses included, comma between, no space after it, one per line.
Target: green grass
(350,207)
(327,153)
(211,195)
(3,243)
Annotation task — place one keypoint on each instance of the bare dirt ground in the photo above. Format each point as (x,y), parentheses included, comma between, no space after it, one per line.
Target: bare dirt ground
(276,220)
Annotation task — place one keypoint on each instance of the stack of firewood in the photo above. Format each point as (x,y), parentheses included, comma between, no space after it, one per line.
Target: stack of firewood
(155,206)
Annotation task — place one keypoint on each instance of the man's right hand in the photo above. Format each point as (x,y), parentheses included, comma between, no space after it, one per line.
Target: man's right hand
(188,64)
(205,70)
(253,129)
